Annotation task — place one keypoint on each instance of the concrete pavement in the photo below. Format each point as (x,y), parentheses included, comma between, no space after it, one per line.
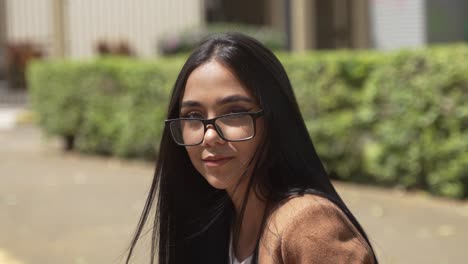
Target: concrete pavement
(59,207)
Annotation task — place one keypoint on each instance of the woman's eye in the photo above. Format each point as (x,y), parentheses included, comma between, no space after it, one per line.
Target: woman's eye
(192,115)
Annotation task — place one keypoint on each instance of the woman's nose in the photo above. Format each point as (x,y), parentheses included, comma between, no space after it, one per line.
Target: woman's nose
(211,137)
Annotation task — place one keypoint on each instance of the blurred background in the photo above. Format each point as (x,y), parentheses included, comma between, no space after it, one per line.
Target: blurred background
(382,85)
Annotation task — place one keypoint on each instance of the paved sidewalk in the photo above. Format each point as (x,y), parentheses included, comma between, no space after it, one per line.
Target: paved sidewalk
(73,209)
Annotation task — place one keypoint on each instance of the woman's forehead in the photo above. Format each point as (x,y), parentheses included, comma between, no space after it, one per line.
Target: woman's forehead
(213,81)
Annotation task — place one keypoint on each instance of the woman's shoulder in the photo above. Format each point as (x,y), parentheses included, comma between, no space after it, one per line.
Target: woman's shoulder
(300,204)
(304,207)
(313,227)
(304,210)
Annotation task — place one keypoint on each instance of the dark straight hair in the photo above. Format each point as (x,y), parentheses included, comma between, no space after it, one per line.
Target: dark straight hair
(192,219)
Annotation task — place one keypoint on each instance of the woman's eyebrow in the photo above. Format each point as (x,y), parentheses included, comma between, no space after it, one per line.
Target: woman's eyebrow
(190,103)
(233,99)
(221,101)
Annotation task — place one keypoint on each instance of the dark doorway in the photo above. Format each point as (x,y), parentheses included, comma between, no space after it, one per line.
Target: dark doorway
(333,24)
(239,11)
(3,37)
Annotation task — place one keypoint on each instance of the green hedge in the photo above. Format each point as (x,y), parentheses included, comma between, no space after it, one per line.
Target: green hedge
(385,118)
(329,89)
(417,105)
(110,106)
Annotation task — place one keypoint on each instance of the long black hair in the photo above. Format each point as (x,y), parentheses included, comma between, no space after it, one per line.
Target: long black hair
(192,219)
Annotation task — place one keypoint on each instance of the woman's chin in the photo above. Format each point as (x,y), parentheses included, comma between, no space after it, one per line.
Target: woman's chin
(217,183)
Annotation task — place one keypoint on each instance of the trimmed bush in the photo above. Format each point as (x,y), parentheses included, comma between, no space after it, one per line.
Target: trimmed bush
(391,119)
(329,89)
(111,106)
(419,122)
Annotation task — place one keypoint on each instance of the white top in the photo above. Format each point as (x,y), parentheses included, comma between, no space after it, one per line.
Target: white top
(232,257)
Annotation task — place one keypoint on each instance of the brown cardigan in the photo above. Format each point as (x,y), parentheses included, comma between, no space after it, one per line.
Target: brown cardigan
(312,229)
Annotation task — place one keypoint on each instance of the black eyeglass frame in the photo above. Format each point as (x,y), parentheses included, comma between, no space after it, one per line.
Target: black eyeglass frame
(212,121)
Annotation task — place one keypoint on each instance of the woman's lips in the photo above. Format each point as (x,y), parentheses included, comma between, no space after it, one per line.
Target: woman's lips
(216,162)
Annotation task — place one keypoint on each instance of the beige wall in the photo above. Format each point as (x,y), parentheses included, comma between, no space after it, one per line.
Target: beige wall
(360,31)
(29,21)
(303,25)
(85,22)
(139,22)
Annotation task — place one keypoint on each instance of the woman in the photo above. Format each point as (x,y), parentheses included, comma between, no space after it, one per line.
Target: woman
(238,179)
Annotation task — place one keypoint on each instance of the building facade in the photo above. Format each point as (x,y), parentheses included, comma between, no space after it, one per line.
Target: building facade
(75,28)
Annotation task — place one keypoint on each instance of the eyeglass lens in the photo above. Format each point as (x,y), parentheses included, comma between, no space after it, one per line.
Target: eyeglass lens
(230,128)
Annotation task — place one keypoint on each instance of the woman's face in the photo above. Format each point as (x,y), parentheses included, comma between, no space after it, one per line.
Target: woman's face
(212,90)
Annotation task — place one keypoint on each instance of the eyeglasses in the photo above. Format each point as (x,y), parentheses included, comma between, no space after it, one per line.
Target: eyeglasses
(231,127)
